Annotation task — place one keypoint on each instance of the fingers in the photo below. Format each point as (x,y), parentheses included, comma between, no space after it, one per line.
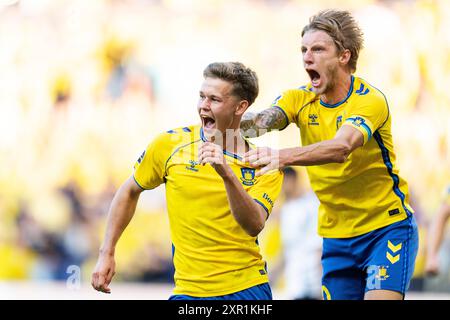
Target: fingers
(208,146)
(251,159)
(206,154)
(100,281)
(210,153)
(264,170)
(266,159)
(251,155)
(103,286)
(109,277)
(254,155)
(257,158)
(210,160)
(261,162)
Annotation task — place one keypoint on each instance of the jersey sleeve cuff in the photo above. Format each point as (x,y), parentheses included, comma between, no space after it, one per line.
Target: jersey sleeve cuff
(361,124)
(285,115)
(139,185)
(264,207)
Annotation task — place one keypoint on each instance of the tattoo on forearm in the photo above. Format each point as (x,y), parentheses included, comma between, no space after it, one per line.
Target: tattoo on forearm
(255,125)
(248,121)
(271,119)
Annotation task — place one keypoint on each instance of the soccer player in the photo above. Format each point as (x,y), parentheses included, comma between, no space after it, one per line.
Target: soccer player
(216,204)
(436,235)
(370,234)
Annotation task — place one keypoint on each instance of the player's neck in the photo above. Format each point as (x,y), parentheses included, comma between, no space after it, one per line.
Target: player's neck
(234,143)
(339,91)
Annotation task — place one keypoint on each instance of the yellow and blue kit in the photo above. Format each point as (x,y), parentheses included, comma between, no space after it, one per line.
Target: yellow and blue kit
(213,256)
(363,196)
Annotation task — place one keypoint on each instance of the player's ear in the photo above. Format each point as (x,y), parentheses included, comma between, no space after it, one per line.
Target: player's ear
(345,56)
(241,107)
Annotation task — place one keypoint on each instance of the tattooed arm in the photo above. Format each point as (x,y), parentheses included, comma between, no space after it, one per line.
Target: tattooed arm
(255,125)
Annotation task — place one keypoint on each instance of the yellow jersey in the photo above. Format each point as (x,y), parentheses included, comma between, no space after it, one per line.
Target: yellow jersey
(366,192)
(212,254)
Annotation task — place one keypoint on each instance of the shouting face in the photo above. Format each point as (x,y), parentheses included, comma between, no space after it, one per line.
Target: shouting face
(217,106)
(320,60)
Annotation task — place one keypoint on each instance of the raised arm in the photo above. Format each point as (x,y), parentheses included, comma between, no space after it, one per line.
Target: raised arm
(256,124)
(120,213)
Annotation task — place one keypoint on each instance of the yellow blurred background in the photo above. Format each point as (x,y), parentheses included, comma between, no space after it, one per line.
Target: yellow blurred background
(85,85)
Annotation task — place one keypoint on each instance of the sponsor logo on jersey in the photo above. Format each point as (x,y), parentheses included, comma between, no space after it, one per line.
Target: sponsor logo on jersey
(313,120)
(267,198)
(192,165)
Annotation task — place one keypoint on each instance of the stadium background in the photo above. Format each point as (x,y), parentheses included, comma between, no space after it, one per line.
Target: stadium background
(85,85)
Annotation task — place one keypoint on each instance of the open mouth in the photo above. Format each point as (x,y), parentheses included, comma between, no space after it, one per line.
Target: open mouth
(314,76)
(208,122)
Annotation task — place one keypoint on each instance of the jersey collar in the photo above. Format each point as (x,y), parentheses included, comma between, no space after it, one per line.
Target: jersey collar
(327,105)
(225,152)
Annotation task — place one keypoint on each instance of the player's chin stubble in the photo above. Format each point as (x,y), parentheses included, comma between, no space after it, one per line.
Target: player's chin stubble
(330,76)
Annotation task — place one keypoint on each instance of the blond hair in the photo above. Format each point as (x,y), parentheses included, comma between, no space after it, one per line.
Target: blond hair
(342,28)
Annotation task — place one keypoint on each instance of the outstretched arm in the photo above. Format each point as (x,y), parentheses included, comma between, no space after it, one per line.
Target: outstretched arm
(335,150)
(256,124)
(436,234)
(120,213)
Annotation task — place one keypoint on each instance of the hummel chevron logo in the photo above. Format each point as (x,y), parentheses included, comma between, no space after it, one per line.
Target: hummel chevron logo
(394,248)
(392,259)
(361,90)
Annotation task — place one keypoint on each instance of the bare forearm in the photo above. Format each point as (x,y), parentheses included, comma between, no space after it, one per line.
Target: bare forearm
(245,210)
(328,151)
(120,213)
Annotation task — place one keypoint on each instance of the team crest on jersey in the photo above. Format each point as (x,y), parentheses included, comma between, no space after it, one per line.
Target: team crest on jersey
(358,121)
(313,119)
(141,157)
(248,176)
(338,122)
(192,165)
(382,273)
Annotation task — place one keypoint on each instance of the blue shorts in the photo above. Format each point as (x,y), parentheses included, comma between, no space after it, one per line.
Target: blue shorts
(382,259)
(259,292)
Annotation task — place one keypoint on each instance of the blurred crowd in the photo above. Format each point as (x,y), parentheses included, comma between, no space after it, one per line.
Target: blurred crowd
(85,85)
